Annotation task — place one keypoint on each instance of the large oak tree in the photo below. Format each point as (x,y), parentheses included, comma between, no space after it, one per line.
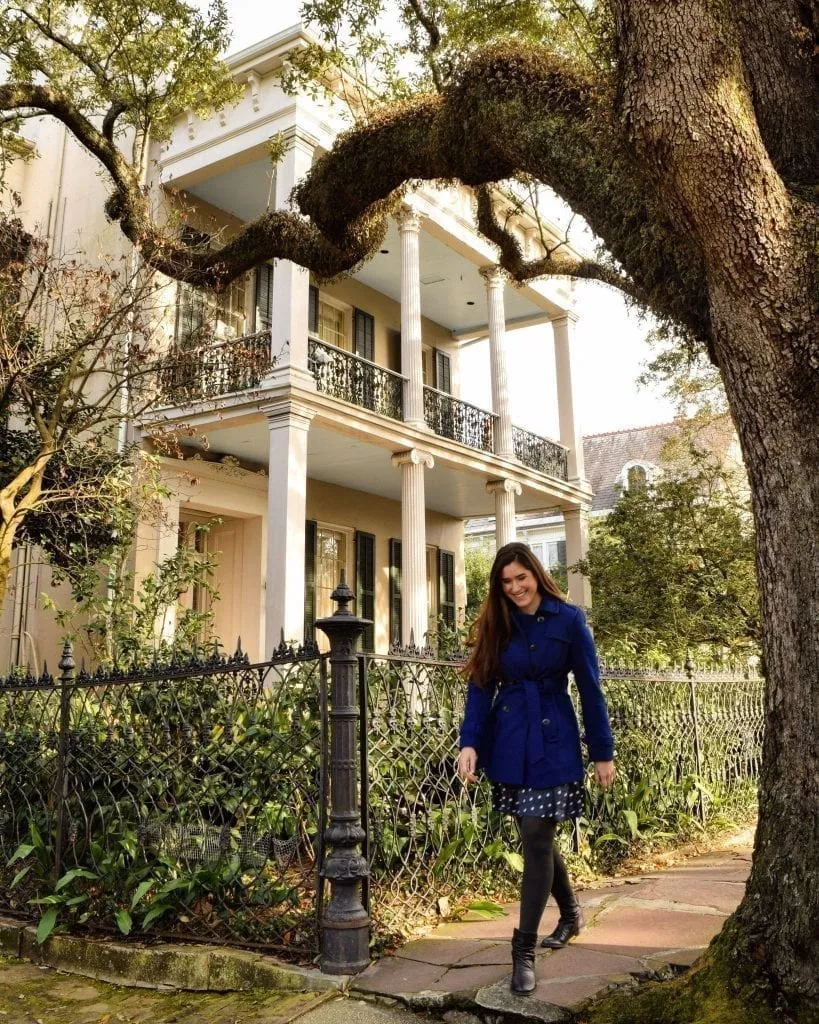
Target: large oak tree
(687,139)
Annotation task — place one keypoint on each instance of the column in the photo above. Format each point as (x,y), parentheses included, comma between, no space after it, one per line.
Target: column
(495,283)
(414,618)
(504,491)
(291,283)
(167,544)
(576,521)
(409,224)
(289,423)
(570,435)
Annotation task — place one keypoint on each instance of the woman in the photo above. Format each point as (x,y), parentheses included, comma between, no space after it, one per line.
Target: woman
(520,728)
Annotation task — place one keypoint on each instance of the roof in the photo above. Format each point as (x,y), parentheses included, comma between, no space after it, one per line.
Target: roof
(606,454)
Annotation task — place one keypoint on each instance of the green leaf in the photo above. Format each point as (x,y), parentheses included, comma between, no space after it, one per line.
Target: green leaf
(69,877)
(486,909)
(46,925)
(514,860)
(22,851)
(141,889)
(124,921)
(632,821)
(156,910)
(19,876)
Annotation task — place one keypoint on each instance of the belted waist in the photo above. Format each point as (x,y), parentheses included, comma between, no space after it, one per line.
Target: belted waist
(532,689)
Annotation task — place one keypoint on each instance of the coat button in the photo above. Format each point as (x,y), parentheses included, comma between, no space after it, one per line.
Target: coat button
(531,647)
(540,618)
(545,721)
(505,707)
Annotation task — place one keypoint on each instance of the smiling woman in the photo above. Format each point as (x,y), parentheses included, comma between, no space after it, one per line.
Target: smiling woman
(521,729)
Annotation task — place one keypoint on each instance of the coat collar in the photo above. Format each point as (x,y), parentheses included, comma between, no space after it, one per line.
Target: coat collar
(549,605)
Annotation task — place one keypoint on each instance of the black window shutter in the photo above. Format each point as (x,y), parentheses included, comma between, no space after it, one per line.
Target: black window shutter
(365,584)
(264,297)
(446,587)
(364,334)
(395,591)
(561,552)
(313,310)
(443,371)
(310,536)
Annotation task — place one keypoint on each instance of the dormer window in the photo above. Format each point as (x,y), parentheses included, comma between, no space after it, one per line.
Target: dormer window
(635,476)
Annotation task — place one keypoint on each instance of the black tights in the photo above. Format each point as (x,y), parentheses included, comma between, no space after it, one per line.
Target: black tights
(544,872)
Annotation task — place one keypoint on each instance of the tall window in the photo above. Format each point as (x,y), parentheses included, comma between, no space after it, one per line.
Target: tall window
(202,313)
(331,552)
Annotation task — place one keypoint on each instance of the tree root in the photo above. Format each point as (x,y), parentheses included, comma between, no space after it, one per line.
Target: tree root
(712,992)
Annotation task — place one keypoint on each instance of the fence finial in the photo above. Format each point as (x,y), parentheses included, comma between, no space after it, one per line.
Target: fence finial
(689,666)
(67,663)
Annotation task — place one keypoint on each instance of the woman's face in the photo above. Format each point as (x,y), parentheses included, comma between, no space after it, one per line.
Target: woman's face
(520,586)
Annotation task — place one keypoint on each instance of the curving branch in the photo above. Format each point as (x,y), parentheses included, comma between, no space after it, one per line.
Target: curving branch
(553,263)
(429,25)
(513,109)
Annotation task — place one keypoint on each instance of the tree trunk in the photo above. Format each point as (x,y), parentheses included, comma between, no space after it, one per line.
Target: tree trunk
(7,534)
(686,107)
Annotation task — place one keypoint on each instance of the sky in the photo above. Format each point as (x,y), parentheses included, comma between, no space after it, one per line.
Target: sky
(610,340)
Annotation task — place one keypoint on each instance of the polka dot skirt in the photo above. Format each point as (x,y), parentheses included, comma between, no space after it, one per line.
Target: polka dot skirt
(557,803)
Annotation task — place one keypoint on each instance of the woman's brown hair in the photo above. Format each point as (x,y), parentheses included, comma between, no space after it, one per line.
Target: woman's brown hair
(493,627)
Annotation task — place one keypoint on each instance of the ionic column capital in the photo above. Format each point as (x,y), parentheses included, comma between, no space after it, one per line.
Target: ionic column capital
(494,276)
(504,487)
(413,457)
(408,219)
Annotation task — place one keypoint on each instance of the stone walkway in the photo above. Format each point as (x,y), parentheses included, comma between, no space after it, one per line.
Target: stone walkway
(637,927)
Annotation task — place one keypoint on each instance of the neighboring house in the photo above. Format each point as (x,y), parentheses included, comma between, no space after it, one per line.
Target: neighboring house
(324,424)
(616,461)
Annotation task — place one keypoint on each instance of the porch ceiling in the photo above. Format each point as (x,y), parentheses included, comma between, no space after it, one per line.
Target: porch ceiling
(453,293)
(352,462)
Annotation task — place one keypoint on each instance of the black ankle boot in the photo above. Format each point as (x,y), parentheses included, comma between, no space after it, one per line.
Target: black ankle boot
(523,962)
(569,925)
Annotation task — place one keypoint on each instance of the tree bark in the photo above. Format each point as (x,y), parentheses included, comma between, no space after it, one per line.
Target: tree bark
(685,105)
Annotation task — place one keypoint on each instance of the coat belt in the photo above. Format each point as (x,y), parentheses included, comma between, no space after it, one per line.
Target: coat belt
(534,733)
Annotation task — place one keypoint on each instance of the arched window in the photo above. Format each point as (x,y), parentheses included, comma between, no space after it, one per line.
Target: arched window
(636,478)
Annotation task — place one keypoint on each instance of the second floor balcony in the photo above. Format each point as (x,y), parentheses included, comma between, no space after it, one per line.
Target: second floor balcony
(209,371)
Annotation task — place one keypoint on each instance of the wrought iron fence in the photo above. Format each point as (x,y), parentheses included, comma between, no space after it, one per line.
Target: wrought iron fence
(540,453)
(207,371)
(184,800)
(354,379)
(190,800)
(457,420)
(688,747)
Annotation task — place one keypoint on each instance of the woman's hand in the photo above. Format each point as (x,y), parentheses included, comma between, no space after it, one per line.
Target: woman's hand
(467,764)
(603,773)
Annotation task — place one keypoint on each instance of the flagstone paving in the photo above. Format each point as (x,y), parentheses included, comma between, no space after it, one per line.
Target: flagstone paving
(637,927)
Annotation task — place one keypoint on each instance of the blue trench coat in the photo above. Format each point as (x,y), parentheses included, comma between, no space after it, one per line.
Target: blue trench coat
(523,725)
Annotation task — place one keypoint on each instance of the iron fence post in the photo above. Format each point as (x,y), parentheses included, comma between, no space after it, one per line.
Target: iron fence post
(67,667)
(345,924)
(692,686)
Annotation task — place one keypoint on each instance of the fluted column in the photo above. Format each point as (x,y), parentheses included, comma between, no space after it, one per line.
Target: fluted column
(409,223)
(576,521)
(570,436)
(414,613)
(495,283)
(291,283)
(504,491)
(289,423)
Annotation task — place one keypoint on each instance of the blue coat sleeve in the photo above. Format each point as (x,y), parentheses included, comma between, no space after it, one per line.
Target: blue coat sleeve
(587,676)
(476,714)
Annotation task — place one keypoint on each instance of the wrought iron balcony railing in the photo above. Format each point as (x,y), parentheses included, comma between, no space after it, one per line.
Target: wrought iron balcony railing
(460,421)
(218,369)
(540,453)
(354,379)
